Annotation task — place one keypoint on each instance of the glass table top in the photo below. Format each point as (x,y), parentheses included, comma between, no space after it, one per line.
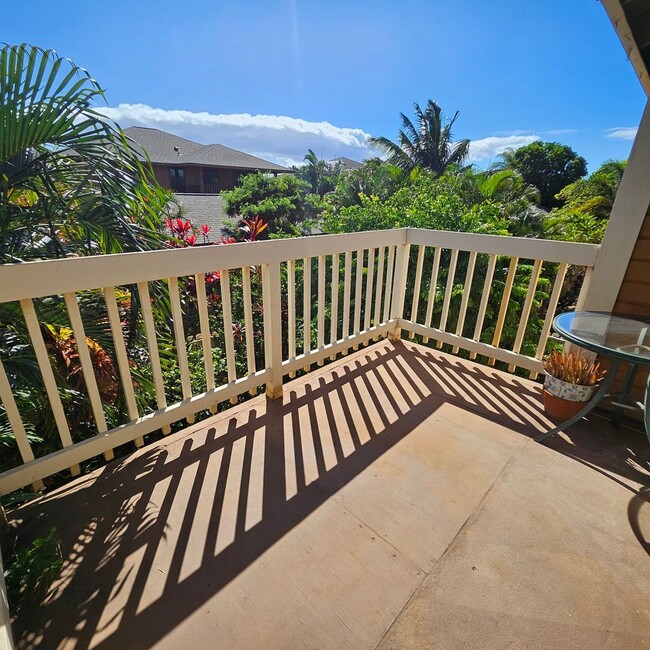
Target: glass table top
(623,337)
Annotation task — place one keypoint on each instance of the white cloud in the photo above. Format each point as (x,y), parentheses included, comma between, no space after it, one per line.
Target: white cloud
(282,139)
(488,148)
(622,132)
(514,132)
(277,138)
(561,131)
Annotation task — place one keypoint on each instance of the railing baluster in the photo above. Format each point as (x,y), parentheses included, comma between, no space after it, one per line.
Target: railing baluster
(272,328)
(52,390)
(369,286)
(433,285)
(226,306)
(87,369)
(379,292)
(416,288)
(525,311)
(321,304)
(357,294)
(346,293)
(386,261)
(16,423)
(503,308)
(181,344)
(485,296)
(550,313)
(388,294)
(467,288)
(206,334)
(306,308)
(248,323)
(291,309)
(451,276)
(334,325)
(152,345)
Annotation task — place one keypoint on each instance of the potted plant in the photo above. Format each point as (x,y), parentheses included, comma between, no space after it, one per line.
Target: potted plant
(570,382)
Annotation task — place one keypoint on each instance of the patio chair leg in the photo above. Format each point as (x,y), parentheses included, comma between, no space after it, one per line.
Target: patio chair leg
(646,409)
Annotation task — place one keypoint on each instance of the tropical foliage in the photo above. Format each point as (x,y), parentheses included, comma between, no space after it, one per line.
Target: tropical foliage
(285,201)
(427,144)
(595,194)
(69,180)
(548,166)
(319,174)
(70,184)
(374,178)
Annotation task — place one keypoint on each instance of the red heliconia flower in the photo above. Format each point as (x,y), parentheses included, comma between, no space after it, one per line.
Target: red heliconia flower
(205,229)
(191,240)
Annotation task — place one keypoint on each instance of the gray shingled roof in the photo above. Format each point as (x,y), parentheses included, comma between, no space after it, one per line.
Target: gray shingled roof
(204,208)
(159,145)
(347,163)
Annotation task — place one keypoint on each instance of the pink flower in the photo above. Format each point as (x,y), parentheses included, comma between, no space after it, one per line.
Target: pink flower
(191,240)
(205,229)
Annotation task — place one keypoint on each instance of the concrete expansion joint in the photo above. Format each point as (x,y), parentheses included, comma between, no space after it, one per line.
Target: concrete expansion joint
(455,540)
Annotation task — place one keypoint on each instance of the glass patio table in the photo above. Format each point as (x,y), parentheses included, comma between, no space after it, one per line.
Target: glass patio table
(623,339)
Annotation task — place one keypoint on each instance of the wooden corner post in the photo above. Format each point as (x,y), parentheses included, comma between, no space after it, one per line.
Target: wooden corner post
(399,287)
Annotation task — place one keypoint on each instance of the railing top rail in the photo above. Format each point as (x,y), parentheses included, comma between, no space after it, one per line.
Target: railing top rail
(548,250)
(54,277)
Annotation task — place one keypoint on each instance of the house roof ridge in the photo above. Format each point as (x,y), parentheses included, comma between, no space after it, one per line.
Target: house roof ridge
(167,148)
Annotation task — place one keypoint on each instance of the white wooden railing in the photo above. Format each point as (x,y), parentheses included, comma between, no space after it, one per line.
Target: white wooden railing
(359,294)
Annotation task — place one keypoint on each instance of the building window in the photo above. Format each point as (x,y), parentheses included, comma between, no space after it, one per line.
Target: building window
(177,177)
(211,181)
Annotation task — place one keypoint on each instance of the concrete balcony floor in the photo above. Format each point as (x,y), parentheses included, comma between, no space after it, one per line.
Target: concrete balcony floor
(394,498)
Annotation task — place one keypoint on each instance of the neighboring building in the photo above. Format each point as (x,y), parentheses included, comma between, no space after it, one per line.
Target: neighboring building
(189,167)
(202,209)
(347,164)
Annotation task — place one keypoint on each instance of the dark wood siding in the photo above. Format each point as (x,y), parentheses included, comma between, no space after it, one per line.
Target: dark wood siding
(634,297)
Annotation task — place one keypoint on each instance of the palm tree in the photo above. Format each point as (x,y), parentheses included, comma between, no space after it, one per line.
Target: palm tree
(320,174)
(429,145)
(70,181)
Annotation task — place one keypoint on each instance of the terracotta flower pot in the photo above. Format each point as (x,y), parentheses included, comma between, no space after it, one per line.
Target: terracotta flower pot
(563,399)
(560,408)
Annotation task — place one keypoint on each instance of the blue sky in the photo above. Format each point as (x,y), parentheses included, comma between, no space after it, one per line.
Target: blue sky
(276,77)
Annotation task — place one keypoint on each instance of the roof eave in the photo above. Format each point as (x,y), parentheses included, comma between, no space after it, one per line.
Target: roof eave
(281,170)
(619,20)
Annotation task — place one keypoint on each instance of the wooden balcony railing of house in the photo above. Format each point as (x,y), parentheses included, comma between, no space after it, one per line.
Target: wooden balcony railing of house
(354,288)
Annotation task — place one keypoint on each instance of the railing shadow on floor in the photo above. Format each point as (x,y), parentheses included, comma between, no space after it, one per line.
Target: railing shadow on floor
(620,453)
(247,481)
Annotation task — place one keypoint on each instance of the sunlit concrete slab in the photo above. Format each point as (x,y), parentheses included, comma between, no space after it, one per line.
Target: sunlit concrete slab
(392,498)
(550,560)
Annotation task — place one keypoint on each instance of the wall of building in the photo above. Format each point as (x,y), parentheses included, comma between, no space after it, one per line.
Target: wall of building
(228,178)
(162,176)
(193,180)
(634,299)
(634,295)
